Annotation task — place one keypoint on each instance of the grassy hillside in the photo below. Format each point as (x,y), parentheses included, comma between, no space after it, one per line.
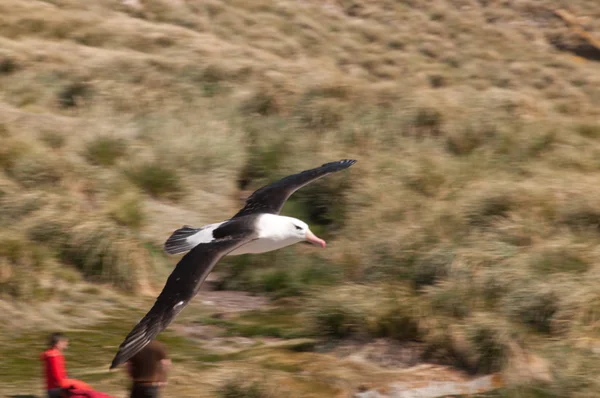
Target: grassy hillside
(470,224)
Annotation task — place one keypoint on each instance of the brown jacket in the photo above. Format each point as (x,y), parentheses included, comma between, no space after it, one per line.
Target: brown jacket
(146,366)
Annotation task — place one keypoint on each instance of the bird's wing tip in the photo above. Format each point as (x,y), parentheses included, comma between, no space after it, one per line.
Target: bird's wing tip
(347,162)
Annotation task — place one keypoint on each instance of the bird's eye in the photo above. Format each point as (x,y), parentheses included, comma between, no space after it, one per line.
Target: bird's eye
(297,227)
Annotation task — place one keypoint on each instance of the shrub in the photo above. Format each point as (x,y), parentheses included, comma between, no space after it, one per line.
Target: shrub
(437,80)
(337,322)
(105,150)
(48,230)
(277,282)
(395,44)
(425,177)
(278,273)
(588,130)
(339,313)
(431,268)
(211,79)
(21,286)
(364,311)
(262,162)
(427,121)
(534,305)
(325,113)
(319,272)
(488,206)
(489,347)
(34,169)
(398,323)
(557,260)
(128,211)
(464,141)
(71,95)
(19,252)
(477,346)
(244,272)
(242,388)
(450,298)
(580,216)
(19,260)
(10,151)
(262,102)
(330,90)
(102,252)
(7,65)
(493,285)
(53,139)
(157,180)
(13,207)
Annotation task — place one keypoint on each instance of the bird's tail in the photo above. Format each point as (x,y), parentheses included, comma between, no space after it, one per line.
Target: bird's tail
(178,242)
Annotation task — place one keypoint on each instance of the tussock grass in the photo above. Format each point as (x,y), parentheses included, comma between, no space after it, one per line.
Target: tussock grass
(53,139)
(237,388)
(105,151)
(128,210)
(73,94)
(476,343)
(477,346)
(100,252)
(534,305)
(477,141)
(11,151)
(279,274)
(346,312)
(18,260)
(157,180)
(431,268)
(36,169)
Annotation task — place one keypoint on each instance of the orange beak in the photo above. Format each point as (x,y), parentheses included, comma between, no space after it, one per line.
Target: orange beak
(312,238)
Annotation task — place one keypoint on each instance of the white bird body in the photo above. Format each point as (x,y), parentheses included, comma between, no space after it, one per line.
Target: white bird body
(274,232)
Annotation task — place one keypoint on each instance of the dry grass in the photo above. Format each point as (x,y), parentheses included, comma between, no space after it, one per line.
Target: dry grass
(476,188)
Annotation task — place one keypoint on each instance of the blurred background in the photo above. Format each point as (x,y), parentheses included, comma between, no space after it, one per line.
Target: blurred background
(462,245)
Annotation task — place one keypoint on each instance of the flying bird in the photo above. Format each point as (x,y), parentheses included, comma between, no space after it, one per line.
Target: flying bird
(256,228)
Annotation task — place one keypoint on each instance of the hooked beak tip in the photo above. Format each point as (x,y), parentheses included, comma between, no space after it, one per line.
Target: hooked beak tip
(312,238)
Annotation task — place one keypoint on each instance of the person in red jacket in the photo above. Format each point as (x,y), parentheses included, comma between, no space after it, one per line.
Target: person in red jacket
(54,364)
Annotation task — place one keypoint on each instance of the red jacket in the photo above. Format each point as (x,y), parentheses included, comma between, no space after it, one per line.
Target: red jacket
(54,363)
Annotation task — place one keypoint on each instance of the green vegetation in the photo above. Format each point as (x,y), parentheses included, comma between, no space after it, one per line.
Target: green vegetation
(238,388)
(469,226)
(157,180)
(105,151)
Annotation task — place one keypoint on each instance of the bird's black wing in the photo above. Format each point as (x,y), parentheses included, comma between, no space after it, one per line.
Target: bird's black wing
(182,285)
(271,198)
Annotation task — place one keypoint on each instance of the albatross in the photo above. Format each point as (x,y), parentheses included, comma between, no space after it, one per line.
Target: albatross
(256,228)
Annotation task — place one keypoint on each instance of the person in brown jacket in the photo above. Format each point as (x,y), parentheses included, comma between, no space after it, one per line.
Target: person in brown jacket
(148,370)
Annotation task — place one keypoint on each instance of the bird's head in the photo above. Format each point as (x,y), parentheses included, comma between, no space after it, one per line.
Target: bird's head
(300,230)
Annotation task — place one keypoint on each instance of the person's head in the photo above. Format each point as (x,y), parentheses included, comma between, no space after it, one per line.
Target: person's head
(58,340)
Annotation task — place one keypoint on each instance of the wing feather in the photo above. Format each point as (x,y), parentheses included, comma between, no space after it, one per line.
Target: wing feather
(181,286)
(272,197)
